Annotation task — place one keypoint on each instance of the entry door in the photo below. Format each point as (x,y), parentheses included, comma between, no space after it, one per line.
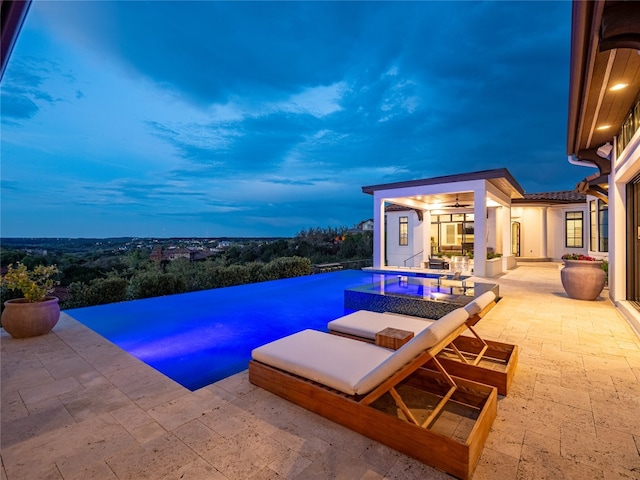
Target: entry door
(633,240)
(515,239)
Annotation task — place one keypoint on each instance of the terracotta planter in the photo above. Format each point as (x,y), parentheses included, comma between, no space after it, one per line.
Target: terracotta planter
(583,279)
(23,319)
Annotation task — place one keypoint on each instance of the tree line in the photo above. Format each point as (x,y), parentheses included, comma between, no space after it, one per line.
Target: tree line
(95,278)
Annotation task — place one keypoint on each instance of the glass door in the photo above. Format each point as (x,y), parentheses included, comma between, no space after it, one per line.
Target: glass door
(515,239)
(633,240)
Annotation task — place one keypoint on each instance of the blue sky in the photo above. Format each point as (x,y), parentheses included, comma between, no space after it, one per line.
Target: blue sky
(261,119)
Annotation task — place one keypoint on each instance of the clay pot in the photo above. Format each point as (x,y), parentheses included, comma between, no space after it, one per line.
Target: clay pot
(583,279)
(22,319)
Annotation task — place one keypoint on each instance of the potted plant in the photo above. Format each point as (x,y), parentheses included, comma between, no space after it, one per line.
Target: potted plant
(583,277)
(37,312)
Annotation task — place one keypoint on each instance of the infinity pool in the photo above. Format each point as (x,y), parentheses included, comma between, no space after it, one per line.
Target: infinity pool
(201,337)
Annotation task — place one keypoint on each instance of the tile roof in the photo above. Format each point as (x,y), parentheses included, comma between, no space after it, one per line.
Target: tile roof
(564,196)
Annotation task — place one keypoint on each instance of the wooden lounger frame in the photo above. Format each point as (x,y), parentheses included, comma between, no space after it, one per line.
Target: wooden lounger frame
(471,350)
(459,458)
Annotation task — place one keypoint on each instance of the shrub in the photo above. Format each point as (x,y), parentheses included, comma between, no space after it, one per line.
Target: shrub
(154,284)
(578,256)
(98,292)
(35,284)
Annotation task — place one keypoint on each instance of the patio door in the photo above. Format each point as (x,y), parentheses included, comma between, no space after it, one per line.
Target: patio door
(515,239)
(633,240)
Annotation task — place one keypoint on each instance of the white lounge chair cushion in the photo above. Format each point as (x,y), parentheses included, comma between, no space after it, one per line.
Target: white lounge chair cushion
(366,324)
(331,360)
(351,366)
(426,339)
(480,303)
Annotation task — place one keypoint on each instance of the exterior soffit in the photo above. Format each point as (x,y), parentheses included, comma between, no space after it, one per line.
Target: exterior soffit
(604,41)
(500,178)
(444,195)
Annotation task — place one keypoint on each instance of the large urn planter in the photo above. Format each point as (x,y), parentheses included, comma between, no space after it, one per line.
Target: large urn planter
(583,279)
(22,319)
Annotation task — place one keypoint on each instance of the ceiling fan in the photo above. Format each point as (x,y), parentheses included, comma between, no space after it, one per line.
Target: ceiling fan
(457,204)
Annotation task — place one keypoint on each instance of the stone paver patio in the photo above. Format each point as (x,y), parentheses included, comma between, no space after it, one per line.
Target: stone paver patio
(74,406)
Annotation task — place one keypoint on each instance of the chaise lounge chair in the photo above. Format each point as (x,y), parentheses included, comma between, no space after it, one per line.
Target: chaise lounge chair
(468,350)
(383,394)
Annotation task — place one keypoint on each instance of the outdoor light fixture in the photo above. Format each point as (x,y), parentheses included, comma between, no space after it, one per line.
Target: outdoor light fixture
(605,150)
(618,86)
(603,127)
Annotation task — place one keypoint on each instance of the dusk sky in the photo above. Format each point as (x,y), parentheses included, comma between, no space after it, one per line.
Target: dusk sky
(260,119)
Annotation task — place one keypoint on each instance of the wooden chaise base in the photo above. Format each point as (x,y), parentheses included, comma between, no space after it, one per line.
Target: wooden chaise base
(457,457)
(497,367)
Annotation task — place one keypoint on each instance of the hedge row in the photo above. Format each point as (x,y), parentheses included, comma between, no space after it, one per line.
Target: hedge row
(180,277)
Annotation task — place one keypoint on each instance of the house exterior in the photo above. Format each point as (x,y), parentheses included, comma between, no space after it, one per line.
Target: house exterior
(455,213)
(366,225)
(603,133)
(534,227)
(545,226)
(601,218)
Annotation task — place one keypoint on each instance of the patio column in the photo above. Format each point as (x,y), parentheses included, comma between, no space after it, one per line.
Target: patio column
(543,232)
(426,236)
(617,241)
(480,230)
(378,231)
(505,225)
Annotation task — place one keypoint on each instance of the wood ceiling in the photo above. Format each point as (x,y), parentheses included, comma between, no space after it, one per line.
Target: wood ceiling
(604,52)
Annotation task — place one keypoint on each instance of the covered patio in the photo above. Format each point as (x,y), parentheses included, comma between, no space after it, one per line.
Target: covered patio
(75,406)
(481,201)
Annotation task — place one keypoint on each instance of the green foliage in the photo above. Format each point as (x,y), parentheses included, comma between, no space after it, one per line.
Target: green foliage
(35,284)
(99,271)
(491,255)
(287,267)
(356,245)
(98,292)
(605,267)
(187,271)
(147,284)
(9,255)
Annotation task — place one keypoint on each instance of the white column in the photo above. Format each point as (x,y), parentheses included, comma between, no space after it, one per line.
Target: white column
(480,230)
(617,242)
(505,231)
(426,236)
(378,231)
(543,232)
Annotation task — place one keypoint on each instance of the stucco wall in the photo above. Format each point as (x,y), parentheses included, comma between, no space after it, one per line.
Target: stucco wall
(397,254)
(530,232)
(556,231)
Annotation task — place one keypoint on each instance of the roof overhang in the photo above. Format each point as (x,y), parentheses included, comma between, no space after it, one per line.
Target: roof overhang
(500,178)
(605,39)
(12,15)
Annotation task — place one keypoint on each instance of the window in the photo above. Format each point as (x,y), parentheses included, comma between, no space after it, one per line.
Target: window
(573,229)
(603,226)
(593,226)
(450,235)
(404,230)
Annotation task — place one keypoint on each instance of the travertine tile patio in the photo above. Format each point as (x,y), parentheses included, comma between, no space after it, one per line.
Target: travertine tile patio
(75,406)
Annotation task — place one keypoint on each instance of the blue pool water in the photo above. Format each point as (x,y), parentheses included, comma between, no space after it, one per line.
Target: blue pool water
(201,337)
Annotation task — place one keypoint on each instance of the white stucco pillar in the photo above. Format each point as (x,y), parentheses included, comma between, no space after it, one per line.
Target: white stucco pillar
(480,230)
(505,230)
(617,242)
(426,236)
(378,231)
(543,232)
